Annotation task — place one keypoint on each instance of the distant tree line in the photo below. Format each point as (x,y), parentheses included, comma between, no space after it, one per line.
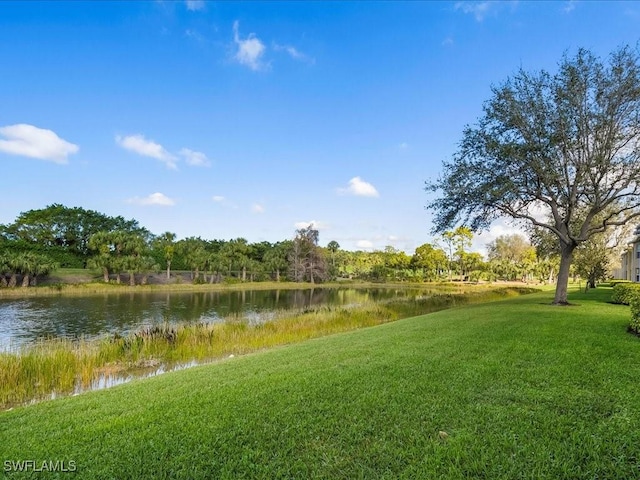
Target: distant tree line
(39,241)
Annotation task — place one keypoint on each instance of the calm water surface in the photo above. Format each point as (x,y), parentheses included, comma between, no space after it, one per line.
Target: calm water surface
(23,321)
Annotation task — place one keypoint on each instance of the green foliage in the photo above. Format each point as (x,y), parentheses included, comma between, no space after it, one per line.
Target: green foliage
(430,260)
(511,257)
(624,292)
(634,302)
(120,251)
(592,260)
(64,229)
(231,281)
(29,265)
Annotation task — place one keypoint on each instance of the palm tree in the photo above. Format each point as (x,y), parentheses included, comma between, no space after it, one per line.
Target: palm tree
(132,247)
(29,265)
(42,266)
(276,257)
(101,244)
(333,247)
(147,264)
(166,244)
(14,263)
(4,269)
(215,263)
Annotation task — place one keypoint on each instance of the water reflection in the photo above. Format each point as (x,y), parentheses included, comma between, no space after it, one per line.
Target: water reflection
(23,321)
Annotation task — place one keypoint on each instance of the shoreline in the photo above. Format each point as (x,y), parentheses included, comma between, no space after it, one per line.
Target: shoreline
(95,288)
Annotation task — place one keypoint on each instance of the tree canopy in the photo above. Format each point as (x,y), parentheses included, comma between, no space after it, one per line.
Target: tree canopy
(57,228)
(559,151)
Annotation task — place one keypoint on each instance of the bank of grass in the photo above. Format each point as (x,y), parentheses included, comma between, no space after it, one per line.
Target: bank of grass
(61,366)
(506,390)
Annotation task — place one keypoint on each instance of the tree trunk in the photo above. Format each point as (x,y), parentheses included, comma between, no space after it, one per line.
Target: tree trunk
(25,280)
(168,269)
(13,280)
(562,282)
(244,274)
(132,279)
(105,274)
(277,275)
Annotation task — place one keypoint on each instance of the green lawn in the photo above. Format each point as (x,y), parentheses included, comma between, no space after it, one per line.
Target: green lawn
(521,388)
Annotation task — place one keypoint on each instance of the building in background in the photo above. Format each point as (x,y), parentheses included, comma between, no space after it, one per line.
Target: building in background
(630,259)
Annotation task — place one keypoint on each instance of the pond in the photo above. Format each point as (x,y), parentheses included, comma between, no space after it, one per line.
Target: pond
(24,321)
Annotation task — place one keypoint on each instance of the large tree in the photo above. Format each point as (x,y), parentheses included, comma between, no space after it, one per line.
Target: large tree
(57,228)
(511,256)
(306,261)
(431,260)
(560,151)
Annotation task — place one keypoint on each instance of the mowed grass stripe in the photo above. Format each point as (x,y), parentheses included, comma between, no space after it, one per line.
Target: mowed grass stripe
(521,388)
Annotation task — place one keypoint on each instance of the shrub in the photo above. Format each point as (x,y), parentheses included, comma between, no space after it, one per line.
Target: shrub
(622,292)
(634,302)
(231,280)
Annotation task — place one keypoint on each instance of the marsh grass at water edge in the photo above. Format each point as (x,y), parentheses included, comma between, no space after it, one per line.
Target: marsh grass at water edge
(62,366)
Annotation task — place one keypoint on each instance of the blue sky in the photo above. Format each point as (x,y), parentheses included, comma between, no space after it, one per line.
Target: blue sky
(226,120)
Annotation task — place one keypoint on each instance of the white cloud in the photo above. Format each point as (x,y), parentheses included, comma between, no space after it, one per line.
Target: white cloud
(478,9)
(153,199)
(257,208)
(195,159)
(197,36)
(317,225)
(364,244)
(569,6)
(195,5)
(447,42)
(223,201)
(403,146)
(29,141)
(250,50)
(360,188)
(147,148)
(294,53)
